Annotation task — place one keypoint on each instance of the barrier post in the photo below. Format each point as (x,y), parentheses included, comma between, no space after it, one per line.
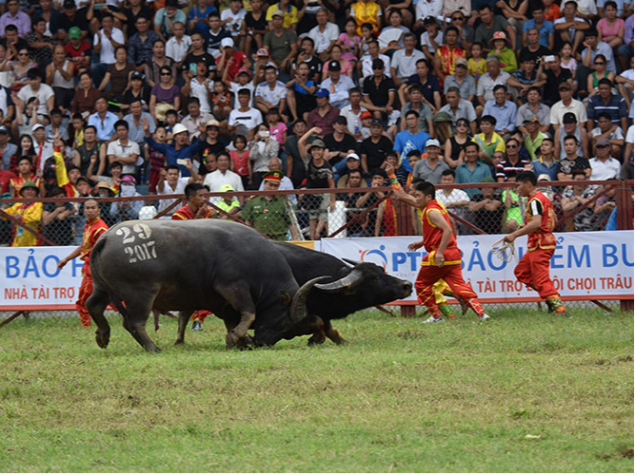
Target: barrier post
(624,199)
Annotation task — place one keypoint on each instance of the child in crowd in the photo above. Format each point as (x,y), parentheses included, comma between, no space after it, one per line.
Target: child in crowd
(277,128)
(241,165)
(221,101)
(476,65)
(157,159)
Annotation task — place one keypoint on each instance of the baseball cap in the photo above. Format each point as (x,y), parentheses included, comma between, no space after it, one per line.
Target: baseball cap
(137,75)
(317,143)
(353,156)
(544,177)
(442,117)
(277,13)
(322,93)
(263,53)
(179,129)
(225,188)
(429,20)
(531,120)
(603,142)
(565,85)
(492,59)
(212,123)
(460,62)
(68,4)
(335,66)
(365,115)
(227,43)
(432,143)
(36,126)
(128,179)
(569,117)
(74,32)
(3,129)
(243,71)
(376,122)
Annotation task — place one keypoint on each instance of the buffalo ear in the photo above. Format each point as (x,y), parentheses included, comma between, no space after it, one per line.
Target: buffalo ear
(285,298)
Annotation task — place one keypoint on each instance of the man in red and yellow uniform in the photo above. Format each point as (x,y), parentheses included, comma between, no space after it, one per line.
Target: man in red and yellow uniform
(95,227)
(443,260)
(195,209)
(533,268)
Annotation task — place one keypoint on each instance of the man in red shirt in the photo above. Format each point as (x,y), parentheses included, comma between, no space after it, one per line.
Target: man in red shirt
(443,260)
(94,228)
(533,268)
(77,49)
(195,209)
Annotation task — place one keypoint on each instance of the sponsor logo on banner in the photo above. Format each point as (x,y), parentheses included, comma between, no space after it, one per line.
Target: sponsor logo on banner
(583,264)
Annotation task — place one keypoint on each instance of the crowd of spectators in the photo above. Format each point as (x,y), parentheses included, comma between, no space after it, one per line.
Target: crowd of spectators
(133,98)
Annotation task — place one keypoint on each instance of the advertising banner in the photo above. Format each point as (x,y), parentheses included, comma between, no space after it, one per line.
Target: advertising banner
(585,265)
(29,277)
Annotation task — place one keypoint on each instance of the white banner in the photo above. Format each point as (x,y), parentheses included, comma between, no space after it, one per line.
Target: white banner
(585,265)
(29,277)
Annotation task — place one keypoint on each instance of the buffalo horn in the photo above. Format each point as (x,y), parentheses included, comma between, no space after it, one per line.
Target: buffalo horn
(350,261)
(351,280)
(298,304)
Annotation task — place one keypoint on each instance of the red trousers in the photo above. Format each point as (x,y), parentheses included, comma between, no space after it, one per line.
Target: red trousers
(533,271)
(452,275)
(85,291)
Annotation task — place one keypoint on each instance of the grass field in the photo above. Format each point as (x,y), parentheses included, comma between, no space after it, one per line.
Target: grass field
(526,392)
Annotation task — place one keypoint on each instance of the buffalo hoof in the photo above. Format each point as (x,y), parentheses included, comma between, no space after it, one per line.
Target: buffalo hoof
(102,339)
(152,349)
(178,342)
(313,341)
(232,340)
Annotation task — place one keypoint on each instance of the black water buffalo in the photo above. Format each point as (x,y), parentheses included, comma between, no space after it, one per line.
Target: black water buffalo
(224,267)
(352,287)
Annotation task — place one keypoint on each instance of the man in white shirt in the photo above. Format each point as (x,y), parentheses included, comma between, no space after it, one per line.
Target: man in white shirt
(123,150)
(271,93)
(603,166)
(325,34)
(367,59)
(404,61)
(567,104)
(353,111)
(195,118)
(35,88)
(107,40)
(337,85)
(177,47)
(244,119)
(171,183)
(223,176)
(426,8)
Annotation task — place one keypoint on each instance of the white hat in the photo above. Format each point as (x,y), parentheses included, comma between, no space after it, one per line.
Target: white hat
(227,42)
(352,155)
(432,143)
(178,129)
(36,126)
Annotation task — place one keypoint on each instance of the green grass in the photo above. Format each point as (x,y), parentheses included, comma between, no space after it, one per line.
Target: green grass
(527,392)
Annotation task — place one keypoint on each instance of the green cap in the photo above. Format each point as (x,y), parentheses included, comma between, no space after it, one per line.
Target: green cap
(29,184)
(74,33)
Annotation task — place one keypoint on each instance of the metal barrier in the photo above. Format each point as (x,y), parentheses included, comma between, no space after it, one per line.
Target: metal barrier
(493,208)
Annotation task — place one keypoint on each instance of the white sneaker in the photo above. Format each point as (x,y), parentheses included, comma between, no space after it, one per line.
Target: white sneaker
(434,320)
(484,317)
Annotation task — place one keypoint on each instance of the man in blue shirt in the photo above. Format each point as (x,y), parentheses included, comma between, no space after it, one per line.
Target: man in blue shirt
(473,170)
(410,139)
(103,120)
(503,110)
(544,27)
(606,101)
(177,153)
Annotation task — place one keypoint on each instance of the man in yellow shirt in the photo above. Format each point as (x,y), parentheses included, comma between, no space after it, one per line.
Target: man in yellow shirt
(29,214)
(289,11)
(489,141)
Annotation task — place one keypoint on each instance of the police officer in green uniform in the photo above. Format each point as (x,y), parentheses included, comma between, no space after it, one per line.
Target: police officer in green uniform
(268,213)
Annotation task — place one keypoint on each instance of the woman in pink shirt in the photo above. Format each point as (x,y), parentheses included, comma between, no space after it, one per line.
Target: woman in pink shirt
(611,28)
